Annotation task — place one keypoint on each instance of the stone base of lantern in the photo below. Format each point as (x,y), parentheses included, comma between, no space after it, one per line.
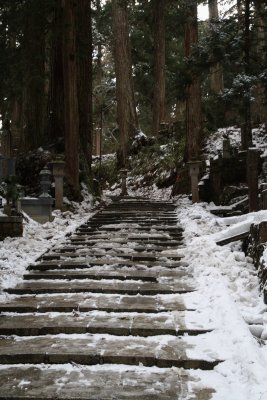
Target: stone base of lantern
(39,209)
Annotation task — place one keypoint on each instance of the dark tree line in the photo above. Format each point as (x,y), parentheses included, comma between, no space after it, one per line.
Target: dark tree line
(70,66)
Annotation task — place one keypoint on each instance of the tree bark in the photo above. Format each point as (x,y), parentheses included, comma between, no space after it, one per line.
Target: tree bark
(126,111)
(56,119)
(84,73)
(246,129)
(259,110)
(216,72)
(71,111)
(98,82)
(34,80)
(193,90)
(158,113)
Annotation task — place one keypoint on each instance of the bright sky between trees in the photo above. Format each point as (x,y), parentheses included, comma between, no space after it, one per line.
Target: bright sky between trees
(224,5)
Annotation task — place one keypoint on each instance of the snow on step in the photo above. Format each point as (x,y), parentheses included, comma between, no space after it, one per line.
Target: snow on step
(110,273)
(91,262)
(120,324)
(102,286)
(85,302)
(107,382)
(144,256)
(87,349)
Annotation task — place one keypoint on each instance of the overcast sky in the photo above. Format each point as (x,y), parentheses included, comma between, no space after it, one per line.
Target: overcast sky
(203,12)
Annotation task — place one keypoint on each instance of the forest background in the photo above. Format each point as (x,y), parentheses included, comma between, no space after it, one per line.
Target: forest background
(88,77)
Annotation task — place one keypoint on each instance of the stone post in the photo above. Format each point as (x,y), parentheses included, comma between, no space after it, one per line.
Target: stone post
(252,179)
(98,143)
(58,172)
(194,172)
(264,196)
(124,182)
(226,149)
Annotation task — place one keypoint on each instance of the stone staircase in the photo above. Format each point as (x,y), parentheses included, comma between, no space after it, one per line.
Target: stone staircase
(103,316)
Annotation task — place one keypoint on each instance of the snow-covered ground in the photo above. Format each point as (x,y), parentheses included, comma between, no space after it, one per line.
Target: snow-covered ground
(17,253)
(215,141)
(228,296)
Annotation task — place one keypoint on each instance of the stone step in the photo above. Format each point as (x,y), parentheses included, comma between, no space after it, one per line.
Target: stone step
(136,257)
(122,220)
(161,351)
(103,286)
(126,223)
(133,227)
(136,214)
(110,273)
(108,246)
(112,263)
(119,324)
(85,302)
(142,207)
(157,214)
(123,237)
(50,382)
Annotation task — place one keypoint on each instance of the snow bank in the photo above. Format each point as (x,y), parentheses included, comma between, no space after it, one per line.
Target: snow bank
(228,295)
(17,253)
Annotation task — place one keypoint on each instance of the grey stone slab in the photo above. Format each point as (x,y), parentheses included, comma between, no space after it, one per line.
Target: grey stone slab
(90,263)
(103,286)
(109,273)
(123,241)
(85,302)
(97,382)
(144,256)
(124,237)
(87,349)
(120,324)
(137,248)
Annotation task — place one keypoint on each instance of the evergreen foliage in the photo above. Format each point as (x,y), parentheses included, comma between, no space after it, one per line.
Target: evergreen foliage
(238,42)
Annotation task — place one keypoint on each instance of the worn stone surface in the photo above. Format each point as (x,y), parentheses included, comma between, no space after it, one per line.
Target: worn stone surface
(110,273)
(95,383)
(86,302)
(145,256)
(90,262)
(103,286)
(102,349)
(121,324)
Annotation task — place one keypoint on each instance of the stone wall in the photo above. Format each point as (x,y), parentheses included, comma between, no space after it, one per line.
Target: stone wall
(225,172)
(10,227)
(254,247)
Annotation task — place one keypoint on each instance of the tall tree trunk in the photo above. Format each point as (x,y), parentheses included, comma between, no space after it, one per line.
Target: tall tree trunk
(259,111)
(126,111)
(84,73)
(98,83)
(34,84)
(158,113)
(216,72)
(16,124)
(193,90)
(71,111)
(56,119)
(246,129)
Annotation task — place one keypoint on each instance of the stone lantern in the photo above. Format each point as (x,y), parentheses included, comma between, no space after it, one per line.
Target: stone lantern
(45,182)
(58,173)
(194,172)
